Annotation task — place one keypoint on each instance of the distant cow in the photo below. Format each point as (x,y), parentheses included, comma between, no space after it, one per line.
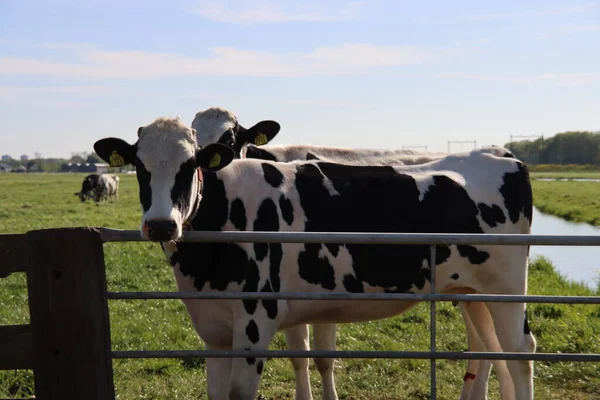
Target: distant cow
(99,187)
(88,187)
(473,192)
(218,125)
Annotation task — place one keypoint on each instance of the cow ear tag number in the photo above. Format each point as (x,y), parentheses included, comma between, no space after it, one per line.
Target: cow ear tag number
(260,139)
(215,161)
(116,160)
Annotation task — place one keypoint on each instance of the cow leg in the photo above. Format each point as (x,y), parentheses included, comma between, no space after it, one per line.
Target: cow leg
(481,321)
(514,336)
(479,324)
(298,339)
(218,371)
(253,333)
(324,336)
(474,369)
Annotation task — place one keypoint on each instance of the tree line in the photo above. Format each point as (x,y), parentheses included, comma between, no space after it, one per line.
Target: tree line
(580,147)
(54,164)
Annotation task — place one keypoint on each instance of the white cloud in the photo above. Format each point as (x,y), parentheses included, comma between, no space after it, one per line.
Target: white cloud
(573,9)
(556,79)
(569,30)
(12,93)
(347,59)
(252,12)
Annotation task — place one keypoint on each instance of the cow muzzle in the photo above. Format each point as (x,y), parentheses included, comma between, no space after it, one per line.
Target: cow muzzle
(160,230)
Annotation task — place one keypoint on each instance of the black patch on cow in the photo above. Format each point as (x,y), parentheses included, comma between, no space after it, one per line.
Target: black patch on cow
(251,285)
(252,331)
(311,156)
(181,191)
(259,367)
(256,152)
(516,191)
(287,210)
(238,214)
(216,264)
(267,219)
(526,329)
(491,215)
(269,305)
(250,360)
(275,256)
(227,138)
(508,155)
(454,276)
(474,255)
(315,269)
(333,248)
(353,285)
(143,177)
(273,176)
(379,199)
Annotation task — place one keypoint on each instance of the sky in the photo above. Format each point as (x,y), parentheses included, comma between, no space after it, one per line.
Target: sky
(372,74)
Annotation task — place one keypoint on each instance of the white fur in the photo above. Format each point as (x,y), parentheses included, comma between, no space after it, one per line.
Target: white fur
(210,124)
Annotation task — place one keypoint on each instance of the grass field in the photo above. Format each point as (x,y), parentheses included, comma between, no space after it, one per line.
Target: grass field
(41,201)
(569,171)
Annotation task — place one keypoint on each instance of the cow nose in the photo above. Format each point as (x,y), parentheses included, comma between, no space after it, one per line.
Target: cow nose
(161,230)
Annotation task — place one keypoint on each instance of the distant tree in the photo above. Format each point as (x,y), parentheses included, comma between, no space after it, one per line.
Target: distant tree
(93,158)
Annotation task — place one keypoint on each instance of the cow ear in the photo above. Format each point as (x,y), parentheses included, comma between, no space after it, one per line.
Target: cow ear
(116,152)
(214,157)
(259,134)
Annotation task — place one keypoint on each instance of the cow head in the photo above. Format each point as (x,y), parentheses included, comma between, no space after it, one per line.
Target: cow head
(87,187)
(169,167)
(217,125)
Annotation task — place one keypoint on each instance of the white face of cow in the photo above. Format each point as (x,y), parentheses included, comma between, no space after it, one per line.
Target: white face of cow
(169,171)
(166,173)
(215,125)
(218,125)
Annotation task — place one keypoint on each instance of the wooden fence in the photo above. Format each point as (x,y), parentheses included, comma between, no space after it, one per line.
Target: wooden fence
(67,344)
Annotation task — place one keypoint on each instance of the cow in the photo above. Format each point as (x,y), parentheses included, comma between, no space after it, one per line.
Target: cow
(87,187)
(99,187)
(107,188)
(181,184)
(219,125)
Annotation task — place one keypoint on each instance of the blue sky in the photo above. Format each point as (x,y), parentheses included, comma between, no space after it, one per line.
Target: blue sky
(378,74)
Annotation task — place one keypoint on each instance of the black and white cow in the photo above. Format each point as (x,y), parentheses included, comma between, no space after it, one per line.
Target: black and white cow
(218,125)
(473,192)
(99,187)
(87,187)
(107,188)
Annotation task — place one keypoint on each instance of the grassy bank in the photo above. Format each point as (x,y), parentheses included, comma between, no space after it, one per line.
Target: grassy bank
(40,201)
(566,171)
(571,200)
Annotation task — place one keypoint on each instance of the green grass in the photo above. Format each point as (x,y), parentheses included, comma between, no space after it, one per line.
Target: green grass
(571,200)
(41,201)
(567,171)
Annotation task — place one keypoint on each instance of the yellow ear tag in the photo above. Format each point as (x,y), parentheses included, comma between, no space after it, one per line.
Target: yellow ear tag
(215,161)
(260,139)
(116,160)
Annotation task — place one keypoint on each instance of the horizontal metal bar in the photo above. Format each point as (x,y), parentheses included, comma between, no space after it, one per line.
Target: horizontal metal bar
(495,298)
(116,235)
(422,355)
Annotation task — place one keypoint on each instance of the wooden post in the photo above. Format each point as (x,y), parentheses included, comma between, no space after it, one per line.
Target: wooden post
(69,315)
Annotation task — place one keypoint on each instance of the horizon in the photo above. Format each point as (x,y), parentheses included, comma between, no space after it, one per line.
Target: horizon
(382,74)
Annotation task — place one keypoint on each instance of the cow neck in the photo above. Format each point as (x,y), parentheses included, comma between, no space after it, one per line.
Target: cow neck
(187,225)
